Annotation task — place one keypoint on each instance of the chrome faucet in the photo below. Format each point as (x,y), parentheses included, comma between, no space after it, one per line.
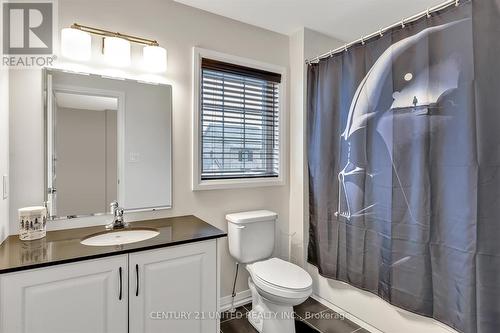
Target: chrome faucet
(118,221)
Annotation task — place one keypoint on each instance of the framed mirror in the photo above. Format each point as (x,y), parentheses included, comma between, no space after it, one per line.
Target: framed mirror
(106,140)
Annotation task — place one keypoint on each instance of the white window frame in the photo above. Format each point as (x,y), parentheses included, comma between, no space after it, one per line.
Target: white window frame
(198,183)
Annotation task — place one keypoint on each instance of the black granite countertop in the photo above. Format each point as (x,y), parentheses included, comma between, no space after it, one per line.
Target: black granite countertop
(63,246)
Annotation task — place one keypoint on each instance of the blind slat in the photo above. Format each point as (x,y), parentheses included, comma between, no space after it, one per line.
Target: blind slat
(236,85)
(238,110)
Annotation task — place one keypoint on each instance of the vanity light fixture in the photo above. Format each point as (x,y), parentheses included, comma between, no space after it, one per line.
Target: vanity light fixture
(116,47)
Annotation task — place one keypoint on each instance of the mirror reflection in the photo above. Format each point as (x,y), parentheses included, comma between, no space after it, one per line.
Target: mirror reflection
(85,153)
(107,140)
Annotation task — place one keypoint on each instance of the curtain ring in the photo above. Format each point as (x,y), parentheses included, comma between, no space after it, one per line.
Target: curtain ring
(403,23)
(381,33)
(362,41)
(331,53)
(345,47)
(428,13)
(457,2)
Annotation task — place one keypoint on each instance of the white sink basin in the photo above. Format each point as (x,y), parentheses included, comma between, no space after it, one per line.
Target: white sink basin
(120,236)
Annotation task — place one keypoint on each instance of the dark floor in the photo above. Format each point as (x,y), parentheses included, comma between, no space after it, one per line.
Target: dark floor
(310,317)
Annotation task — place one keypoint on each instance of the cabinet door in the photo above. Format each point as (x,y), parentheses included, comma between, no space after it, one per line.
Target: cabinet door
(72,298)
(174,290)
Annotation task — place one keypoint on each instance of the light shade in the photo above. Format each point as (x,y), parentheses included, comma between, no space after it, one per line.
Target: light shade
(117,51)
(76,44)
(155,58)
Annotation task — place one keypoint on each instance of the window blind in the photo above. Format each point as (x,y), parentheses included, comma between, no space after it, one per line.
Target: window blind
(239,121)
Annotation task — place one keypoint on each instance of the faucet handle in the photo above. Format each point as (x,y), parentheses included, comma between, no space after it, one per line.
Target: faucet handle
(117,213)
(119,220)
(113,206)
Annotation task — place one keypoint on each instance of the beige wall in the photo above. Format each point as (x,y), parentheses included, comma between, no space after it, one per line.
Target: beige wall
(4,150)
(4,142)
(85,183)
(178,28)
(297,213)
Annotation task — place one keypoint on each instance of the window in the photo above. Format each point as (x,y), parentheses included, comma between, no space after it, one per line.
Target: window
(238,123)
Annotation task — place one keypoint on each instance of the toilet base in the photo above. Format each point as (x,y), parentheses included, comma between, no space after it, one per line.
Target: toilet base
(269,317)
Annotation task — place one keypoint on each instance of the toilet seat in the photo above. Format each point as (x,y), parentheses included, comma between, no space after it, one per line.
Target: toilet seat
(281,278)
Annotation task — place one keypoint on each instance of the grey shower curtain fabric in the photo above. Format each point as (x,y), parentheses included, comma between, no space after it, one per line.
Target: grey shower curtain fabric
(404,166)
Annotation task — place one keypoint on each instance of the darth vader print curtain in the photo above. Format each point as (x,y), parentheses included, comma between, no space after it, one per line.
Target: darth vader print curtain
(404,166)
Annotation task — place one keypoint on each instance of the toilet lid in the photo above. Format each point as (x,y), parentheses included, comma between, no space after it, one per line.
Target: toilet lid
(282,274)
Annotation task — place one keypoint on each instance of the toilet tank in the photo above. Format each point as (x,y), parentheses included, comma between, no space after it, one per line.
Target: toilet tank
(251,235)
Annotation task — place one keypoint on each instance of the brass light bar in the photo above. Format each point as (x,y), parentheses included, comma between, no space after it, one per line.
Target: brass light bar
(107,33)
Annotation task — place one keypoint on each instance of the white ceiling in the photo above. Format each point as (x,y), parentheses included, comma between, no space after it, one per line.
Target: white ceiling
(85,102)
(343,19)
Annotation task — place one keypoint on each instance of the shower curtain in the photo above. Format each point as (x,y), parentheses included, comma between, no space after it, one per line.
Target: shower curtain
(404,166)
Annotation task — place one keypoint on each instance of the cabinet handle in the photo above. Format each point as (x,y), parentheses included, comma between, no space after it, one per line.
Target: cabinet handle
(121,288)
(136,280)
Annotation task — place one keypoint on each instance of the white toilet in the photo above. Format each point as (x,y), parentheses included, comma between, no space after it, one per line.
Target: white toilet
(276,285)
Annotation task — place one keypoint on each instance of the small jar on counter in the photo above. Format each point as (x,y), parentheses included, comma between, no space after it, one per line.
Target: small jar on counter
(32,222)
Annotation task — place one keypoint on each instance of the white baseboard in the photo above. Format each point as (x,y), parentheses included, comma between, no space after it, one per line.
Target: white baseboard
(347,315)
(241,298)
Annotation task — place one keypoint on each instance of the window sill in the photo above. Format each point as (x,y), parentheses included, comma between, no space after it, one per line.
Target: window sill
(224,184)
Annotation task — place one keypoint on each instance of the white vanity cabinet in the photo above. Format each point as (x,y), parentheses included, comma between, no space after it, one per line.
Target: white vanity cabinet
(169,290)
(79,297)
(174,289)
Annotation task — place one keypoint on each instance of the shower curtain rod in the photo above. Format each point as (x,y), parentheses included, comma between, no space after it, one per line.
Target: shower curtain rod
(401,23)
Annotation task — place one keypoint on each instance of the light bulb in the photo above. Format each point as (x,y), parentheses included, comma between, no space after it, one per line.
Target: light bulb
(155,58)
(76,44)
(117,51)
